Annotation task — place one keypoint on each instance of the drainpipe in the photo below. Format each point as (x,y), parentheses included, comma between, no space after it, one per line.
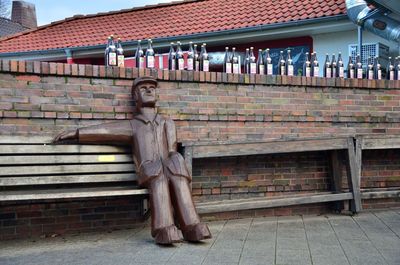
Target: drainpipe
(373,20)
(68,53)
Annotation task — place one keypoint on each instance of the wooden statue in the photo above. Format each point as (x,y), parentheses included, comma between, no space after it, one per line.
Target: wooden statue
(160,167)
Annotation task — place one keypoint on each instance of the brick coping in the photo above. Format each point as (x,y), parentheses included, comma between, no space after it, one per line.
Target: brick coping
(100,71)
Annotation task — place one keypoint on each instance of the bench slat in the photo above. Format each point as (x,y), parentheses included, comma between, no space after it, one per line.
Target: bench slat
(245,204)
(64,159)
(60,149)
(70,193)
(66,169)
(25,139)
(66,179)
(380,143)
(202,151)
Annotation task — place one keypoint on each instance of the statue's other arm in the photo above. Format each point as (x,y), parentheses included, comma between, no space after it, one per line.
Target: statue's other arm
(107,133)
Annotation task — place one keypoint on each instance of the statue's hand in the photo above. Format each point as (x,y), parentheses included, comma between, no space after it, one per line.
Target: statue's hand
(67,135)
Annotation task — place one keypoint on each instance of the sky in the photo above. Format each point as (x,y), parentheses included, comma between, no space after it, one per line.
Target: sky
(48,11)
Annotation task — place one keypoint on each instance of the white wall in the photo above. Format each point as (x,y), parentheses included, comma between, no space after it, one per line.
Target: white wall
(339,41)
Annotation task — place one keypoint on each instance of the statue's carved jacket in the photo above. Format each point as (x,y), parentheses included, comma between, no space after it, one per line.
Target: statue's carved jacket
(153,142)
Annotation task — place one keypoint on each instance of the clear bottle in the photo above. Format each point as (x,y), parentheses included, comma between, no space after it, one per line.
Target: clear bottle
(227,66)
(171,57)
(139,56)
(314,65)
(120,54)
(204,60)
(350,68)
(252,62)
(246,62)
(268,63)
(180,61)
(340,66)
(307,66)
(281,65)
(235,62)
(150,60)
(196,58)
(327,67)
(359,67)
(289,64)
(397,68)
(370,69)
(190,57)
(390,70)
(334,66)
(260,63)
(377,69)
(111,52)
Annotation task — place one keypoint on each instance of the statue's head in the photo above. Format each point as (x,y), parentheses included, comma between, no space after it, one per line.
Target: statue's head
(144,92)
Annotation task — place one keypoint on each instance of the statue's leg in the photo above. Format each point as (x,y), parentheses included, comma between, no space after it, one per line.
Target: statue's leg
(189,220)
(163,228)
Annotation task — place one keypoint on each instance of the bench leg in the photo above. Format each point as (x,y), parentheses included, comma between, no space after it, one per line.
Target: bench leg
(336,175)
(353,178)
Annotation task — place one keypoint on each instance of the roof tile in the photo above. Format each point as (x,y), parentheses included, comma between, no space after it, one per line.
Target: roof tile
(166,20)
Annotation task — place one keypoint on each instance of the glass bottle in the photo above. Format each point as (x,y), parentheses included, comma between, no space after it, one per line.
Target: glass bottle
(252,61)
(150,55)
(314,65)
(370,69)
(120,54)
(196,58)
(281,65)
(390,70)
(359,67)
(204,60)
(235,62)
(139,56)
(289,64)
(268,62)
(171,57)
(350,68)
(190,57)
(307,66)
(334,66)
(246,62)
(340,66)
(180,61)
(377,69)
(227,65)
(111,52)
(327,67)
(260,63)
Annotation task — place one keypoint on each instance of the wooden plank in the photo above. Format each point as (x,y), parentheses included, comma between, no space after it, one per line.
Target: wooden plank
(381,143)
(359,143)
(336,174)
(380,194)
(28,139)
(70,193)
(64,159)
(66,179)
(352,178)
(214,150)
(65,169)
(188,155)
(246,204)
(60,149)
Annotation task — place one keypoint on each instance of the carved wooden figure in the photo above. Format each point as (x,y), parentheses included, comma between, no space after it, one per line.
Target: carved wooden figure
(160,167)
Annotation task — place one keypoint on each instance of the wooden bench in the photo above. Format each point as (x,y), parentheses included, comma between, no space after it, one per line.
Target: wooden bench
(376,143)
(32,169)
(333,145)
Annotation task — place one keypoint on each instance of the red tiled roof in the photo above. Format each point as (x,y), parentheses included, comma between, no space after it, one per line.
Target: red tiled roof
(166,20)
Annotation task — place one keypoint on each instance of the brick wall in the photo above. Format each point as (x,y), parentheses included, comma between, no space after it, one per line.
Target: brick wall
(45,98)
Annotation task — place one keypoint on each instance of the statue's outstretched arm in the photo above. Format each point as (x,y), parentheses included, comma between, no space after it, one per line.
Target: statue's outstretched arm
(107,133)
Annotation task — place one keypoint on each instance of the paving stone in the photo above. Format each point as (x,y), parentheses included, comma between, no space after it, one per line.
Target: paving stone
(293,257)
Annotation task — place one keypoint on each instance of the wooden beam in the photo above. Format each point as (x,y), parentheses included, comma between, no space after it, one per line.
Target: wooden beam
(246,204)
(70,193)
(388,142)
(25,139)
(65,179)
(336,175)
(64,159)
(236,149)
(60,149)
(380,194)
(352,177)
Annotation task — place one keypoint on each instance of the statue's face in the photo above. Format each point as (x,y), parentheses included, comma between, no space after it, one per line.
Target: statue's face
(146,94)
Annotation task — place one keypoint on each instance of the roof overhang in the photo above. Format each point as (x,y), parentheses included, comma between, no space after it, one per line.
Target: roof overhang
(236,36)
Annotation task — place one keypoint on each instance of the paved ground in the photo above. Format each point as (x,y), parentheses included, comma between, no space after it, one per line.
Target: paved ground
(368,238)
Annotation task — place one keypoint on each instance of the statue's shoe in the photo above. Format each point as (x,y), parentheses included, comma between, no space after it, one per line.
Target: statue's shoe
(168,235)
(196,232)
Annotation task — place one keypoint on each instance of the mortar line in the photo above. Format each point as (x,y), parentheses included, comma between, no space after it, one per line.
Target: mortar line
(308,244)
(368,238)
(215,240)
(340,243)
(245,239)
(394,232)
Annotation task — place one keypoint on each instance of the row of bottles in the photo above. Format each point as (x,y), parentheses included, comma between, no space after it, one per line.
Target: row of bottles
(114,54)
(194,60)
